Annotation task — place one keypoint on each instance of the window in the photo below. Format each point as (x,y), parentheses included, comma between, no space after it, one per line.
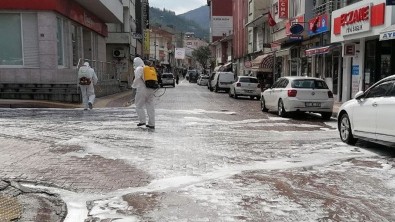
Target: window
(250,80)
(392,91)
(379,90)
(75,42)
(309,84)
(10,39)
(59,38)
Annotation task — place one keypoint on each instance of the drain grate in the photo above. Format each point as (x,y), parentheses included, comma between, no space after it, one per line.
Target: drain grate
(10,209)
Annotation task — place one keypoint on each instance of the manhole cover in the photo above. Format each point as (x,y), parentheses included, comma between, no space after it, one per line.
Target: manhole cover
(10,209)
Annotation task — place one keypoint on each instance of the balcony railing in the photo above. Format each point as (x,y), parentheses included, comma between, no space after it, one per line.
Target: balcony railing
(327,7)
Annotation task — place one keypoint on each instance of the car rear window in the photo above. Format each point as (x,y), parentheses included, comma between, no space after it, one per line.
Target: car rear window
(250,80)
(309,84)
(167,76)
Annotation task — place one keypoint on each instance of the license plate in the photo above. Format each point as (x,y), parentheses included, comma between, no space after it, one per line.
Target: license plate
(249,91)
(312,104)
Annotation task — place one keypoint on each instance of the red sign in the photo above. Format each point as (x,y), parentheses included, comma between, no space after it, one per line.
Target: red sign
(299,19)
(354,16)
(70,9)
(375,14)
(349,49)
(283,8)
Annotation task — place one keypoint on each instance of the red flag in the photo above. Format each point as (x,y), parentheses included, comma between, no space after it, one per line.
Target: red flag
(271,20)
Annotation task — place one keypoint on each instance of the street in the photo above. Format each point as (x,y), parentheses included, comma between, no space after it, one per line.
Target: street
(210,158)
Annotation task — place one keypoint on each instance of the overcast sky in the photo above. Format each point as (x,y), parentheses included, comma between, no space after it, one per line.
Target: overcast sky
(178,6)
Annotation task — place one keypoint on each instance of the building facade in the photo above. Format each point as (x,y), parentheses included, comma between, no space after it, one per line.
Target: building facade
(364,30)
(44,42)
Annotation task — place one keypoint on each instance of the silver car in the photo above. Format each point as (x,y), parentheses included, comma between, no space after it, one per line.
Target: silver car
(245,86)
(167,79)
(203,80)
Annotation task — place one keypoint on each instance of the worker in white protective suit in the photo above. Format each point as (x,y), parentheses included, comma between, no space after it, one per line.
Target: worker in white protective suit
(144,96)
(87,78)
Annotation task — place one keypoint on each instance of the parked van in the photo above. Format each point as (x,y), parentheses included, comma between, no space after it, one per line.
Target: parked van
(222,81)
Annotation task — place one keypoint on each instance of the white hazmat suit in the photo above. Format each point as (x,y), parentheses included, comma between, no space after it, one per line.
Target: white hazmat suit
(87,91)
(144,95)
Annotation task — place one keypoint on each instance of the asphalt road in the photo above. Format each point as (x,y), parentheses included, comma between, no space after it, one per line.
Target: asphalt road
(210,158)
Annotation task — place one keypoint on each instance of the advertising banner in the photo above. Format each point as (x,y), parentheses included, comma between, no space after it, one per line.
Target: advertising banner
(179,53)
(146,45)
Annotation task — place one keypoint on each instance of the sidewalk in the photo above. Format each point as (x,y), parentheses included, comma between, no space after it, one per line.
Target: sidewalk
(115,100)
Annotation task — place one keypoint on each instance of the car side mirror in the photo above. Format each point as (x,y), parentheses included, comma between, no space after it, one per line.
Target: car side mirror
(359,95)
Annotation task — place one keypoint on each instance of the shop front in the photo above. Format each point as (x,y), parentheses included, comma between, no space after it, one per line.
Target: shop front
(365,59)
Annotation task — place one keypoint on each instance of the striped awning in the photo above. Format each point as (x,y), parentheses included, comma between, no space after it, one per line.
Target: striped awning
(262,63)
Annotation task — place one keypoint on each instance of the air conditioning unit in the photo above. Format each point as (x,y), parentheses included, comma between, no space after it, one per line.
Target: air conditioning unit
(117,53)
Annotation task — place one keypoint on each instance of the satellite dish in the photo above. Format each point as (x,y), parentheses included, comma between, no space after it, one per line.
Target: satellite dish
(296,29)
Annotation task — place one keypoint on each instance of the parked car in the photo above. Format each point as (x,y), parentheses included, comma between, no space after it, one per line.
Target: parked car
(370,115)
(203,80)
(245,86)
(167,79)
(192,76)
(297,93)
(221,81)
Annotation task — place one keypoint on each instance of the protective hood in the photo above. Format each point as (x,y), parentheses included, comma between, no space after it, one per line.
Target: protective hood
(86,64)
(138,62)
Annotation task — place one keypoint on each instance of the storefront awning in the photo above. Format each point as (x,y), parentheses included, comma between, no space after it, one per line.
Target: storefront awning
(317,51)
(262,63)
(320,50)
(387,33)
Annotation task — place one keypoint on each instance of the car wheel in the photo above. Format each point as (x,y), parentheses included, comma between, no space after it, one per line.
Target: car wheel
(263,105)
(326,115)
(235,95)
(280,110)
(345,130)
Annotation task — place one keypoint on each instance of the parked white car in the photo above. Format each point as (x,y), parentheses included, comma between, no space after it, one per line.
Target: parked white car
(203,80)
(222,81)
(370,115)
(298,94)
(245,86)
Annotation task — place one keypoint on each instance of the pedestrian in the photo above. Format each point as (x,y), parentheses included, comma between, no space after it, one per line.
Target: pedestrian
(133,96)
(144,96)
(177,78)
(87,78)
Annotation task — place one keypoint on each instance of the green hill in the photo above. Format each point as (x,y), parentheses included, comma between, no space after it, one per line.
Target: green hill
(181,24)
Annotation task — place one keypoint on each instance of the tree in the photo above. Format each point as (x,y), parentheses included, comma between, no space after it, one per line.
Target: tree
(202,55)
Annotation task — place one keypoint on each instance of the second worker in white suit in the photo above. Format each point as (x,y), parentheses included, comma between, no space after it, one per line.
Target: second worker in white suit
(144,96)
(89,79)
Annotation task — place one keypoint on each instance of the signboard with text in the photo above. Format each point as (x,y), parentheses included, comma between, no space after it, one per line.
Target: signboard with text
(322,24)
(283,8)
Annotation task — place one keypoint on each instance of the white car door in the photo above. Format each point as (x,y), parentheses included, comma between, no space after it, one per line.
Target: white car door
(386,116)
(364,116)
(269,95)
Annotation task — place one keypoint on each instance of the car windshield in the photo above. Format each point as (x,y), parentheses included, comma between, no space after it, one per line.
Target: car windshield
(309,84)
(250,80)
(167,75)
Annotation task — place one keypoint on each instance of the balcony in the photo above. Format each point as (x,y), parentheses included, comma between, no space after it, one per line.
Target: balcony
(110,11)
(327,7)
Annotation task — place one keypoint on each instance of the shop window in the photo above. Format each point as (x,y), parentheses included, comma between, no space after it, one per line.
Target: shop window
(370,64)
(10,39)
(59,39)
(75,43)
